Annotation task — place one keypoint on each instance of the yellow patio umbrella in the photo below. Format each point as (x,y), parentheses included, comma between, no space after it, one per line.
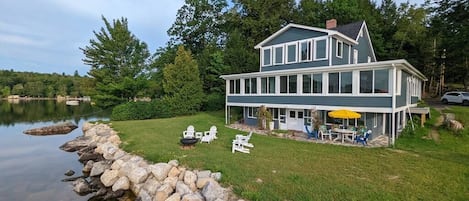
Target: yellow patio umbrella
(344,114)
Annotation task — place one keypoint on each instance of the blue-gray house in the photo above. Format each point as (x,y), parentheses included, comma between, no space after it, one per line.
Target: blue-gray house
(305,68)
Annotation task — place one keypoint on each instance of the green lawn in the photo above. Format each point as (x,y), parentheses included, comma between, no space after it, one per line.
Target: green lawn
(418,169)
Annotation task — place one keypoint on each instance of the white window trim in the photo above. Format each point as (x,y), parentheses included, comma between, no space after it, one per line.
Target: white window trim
(337,49)
(296,52)
(253,116)
(262,56)
(373,83)
(274,56)
(315,51)
(375,120)
(310,41)
(398,83)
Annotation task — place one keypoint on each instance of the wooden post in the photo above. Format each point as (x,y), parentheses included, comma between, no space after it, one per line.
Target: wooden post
(422,119)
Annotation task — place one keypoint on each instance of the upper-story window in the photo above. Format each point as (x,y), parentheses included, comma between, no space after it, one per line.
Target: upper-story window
(305,50)
(312,83)
(235,86)
(278,55)
(291,53)
(288,84)
(321,49)
(268,85)
(374,81)
(267,56)
(250,85)
(340,82)
(339,49)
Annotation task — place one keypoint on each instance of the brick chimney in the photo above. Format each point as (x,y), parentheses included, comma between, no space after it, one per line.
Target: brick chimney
(330,24)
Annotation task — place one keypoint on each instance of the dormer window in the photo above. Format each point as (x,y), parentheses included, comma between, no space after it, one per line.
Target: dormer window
(278,55)
(291,53)
(305,50)
(267,56)
(320,49)
(339,49)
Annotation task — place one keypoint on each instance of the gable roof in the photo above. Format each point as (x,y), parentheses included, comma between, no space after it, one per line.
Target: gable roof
(291,25)
(351,30)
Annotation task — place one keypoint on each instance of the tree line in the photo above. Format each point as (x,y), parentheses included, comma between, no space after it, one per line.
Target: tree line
(44,85)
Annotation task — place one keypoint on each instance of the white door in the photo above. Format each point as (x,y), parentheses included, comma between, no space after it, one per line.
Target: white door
(295,120)
(282,117)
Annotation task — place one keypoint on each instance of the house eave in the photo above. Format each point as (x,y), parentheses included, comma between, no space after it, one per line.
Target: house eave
(401,63)
(329,33)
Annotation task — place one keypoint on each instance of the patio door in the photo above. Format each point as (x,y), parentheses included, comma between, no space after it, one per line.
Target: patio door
(295,120)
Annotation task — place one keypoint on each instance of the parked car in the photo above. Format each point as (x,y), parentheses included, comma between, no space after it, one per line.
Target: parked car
(455,97)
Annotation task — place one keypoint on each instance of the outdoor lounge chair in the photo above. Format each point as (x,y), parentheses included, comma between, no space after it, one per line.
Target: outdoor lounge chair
(209,135)
(238,145)
(189,132)
(244,139)
(311,133)
(363,138)
(323,131)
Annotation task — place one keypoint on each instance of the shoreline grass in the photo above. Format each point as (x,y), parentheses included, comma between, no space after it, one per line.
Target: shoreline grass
(282,169)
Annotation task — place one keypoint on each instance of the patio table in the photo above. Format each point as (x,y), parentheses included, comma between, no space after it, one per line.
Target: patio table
(344,134)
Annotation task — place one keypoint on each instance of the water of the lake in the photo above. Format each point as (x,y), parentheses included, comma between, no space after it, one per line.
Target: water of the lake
(32,167)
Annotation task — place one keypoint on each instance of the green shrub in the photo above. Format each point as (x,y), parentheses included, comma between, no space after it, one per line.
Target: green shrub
(133,111)
(160,108)
(213,102)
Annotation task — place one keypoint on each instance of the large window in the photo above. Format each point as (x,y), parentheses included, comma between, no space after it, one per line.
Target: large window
(374,81)
(250,86)
(321,49)
(339,48)
(288,84)
(267,57)
(305,50)
(268,85)
(381,81)
(235,86)
(317,83)
(340,82)
(291,53)
(312,83)
(278,55)
(252,112)
(346,82)
(333,82)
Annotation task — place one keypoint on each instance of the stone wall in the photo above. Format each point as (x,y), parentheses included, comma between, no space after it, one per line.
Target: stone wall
(117,171)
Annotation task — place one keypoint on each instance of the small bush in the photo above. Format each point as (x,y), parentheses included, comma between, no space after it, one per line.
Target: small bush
(133,111)
(213,102)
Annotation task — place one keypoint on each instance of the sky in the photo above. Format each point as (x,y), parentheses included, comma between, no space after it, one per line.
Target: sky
(45,35)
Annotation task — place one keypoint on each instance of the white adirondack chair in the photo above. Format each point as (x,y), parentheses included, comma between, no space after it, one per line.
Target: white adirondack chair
(209,135)
(189,132)
(239,146)
(244,139)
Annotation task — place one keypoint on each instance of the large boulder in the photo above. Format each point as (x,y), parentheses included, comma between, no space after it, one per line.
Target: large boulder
(213,191)
(76,144)
(81,186)
(151,185)
(138,175)
(61,128)
(99,168)
(121,184)
(182,188)
(109,177)
(160,170)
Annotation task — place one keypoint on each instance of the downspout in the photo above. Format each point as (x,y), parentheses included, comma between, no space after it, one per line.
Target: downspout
(393,109)
(227,89)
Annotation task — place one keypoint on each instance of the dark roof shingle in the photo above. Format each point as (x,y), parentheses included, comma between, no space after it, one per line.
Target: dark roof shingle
(351,30)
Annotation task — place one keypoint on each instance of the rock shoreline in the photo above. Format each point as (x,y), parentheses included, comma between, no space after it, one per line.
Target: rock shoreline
(111,173)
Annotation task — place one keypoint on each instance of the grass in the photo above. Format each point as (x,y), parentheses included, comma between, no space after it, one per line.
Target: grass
(417,169)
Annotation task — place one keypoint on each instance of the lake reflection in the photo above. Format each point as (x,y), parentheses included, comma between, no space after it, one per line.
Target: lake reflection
(32,167)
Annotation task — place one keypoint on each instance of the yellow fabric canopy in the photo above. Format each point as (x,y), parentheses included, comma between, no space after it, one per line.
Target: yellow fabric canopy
(344,114)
